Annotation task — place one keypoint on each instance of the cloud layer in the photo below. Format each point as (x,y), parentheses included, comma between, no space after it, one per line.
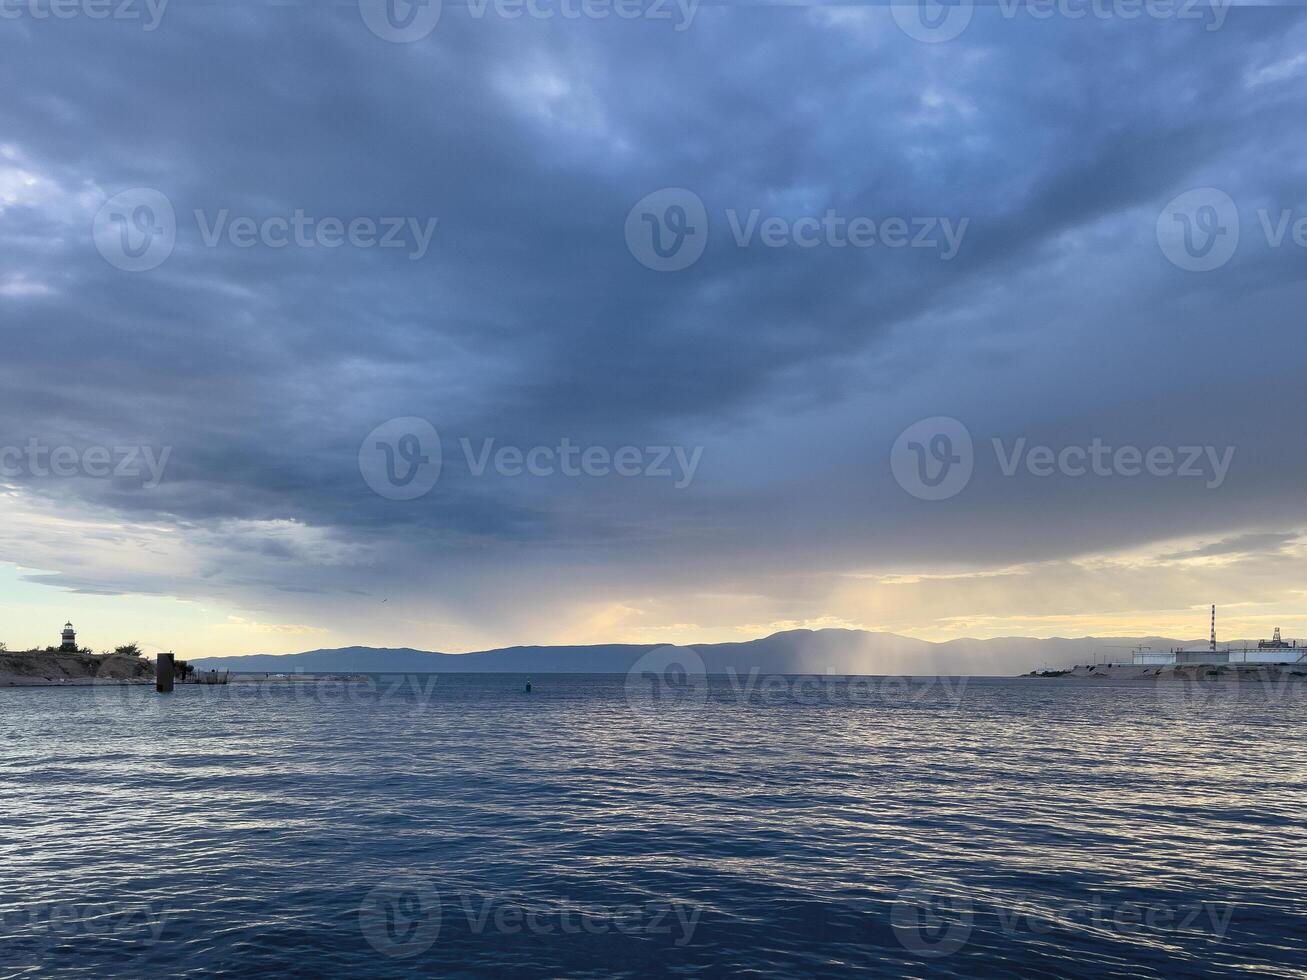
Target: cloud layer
(528,320)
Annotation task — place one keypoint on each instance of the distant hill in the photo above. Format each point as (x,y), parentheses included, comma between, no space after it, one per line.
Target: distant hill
(792,652)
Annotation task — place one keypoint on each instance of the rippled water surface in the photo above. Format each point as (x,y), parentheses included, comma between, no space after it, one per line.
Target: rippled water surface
(458,825)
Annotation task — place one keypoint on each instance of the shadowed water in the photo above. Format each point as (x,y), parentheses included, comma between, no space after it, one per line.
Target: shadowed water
(462,826)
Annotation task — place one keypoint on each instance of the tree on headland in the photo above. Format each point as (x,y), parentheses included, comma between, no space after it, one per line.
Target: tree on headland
(128,650)
(182,669)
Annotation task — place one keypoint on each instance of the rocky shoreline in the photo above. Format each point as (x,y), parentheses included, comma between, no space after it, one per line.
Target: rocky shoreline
(35,669)
(1177,672)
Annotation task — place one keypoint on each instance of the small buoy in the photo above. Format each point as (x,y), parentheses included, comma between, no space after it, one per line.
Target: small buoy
(528,687)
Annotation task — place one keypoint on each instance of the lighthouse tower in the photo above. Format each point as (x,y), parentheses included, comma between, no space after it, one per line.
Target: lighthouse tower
(69,639)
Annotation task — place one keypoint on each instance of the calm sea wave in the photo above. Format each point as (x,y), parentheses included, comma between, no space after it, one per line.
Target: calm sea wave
(461,826)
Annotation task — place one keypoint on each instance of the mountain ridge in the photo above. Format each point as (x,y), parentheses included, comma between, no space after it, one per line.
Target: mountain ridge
(800,651)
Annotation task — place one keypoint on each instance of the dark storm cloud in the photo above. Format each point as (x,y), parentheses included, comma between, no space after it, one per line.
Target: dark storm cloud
(529,320)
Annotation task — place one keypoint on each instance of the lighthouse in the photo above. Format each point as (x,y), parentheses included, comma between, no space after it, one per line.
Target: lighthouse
(69,639)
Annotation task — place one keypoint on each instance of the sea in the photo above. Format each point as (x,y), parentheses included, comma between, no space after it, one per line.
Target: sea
(625,826)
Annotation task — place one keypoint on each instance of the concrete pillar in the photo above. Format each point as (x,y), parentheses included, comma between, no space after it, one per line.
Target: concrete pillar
(163,673)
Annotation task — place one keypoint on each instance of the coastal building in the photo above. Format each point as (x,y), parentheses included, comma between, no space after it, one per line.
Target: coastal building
(1273,651)
(68,639)
(1147,655)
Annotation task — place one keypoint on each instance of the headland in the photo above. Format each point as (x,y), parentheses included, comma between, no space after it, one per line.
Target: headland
(39,668)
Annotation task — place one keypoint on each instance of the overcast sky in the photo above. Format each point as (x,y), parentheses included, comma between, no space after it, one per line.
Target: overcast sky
(767,249)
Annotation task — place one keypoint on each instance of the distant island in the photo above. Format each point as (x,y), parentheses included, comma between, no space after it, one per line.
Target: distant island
(837,651)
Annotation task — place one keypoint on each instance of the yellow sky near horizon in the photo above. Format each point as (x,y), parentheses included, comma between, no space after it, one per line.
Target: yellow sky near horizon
(1124,595)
